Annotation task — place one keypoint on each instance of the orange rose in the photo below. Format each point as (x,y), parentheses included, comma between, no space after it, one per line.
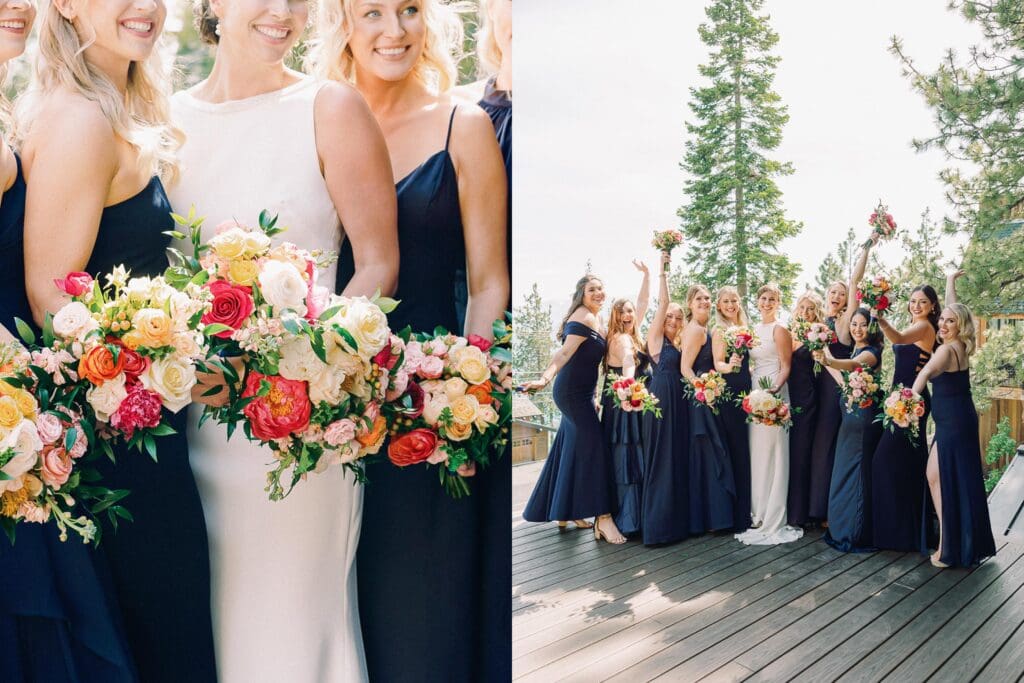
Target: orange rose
(98,365)
(482,392)
(372,439)
(412,447)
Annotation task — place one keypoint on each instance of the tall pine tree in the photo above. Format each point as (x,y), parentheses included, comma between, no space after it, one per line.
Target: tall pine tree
(734,217)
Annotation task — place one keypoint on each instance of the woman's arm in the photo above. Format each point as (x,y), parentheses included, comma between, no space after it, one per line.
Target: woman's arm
(625,347)
(843,323)
(913,334)
(783,343)
(558,361)
(656,332)
(936,365)
(822,357)
(357,170)
(643,299)
(693,339)
(865,359)
(951,287)
(482,197)
(718,352)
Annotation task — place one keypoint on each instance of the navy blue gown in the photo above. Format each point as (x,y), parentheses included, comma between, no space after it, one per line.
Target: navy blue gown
(898,483)
(160,562)
(737,440)
(966,527)
(59,621)
(849,498)
(803,398)
(621,431)
(712,486)
(665,511)
(826,428)
(421,582)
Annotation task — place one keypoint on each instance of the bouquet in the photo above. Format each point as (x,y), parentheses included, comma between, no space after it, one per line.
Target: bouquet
(881,223)
(903,408)
(708,389)
(859,389)
(666,241)
(631,395)
(765,408)
(317,367)
(452,404)
(739,339)
(875,293)
(814,337)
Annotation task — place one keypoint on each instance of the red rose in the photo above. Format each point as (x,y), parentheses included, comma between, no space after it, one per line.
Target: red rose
(386,358)
(479,342)
(134,363)
(140,409)
(284,410)
(412,447)
(75,284)
(883,303)
(860,295)
(232,304)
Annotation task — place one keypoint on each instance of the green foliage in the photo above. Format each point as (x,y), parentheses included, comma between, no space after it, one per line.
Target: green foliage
(999,363)
(533,345)
(734,217)
(998,452)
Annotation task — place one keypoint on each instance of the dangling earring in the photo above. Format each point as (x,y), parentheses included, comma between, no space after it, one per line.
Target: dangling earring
(216,29)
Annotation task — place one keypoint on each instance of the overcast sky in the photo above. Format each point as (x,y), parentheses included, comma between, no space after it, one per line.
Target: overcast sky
(601,97)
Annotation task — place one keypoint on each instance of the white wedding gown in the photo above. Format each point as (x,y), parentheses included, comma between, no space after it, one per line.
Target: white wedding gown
(769,456)
(283,574)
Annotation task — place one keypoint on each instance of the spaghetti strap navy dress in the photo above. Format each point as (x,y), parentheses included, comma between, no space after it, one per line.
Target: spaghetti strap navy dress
(419,558)
(803,397)
(826,429)
(712,487)
(665,502)
(898,483)
(966,527)
(621,431)
(737,440)
(160,561)
(59,622)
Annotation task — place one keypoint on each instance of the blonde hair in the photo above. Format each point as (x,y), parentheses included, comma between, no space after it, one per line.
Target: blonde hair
(140,117)
(967,328)
(677,340)
(488,54)
(691,294)
(819,307)
(720,320)
(615,323)
(846,289)
(331,58)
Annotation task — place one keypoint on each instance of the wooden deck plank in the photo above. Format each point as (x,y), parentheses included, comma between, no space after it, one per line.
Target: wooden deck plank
(1008,663)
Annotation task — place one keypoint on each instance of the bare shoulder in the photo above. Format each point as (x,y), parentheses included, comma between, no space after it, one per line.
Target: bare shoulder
(470,92)
(339,100)
(472,124)
(74,125)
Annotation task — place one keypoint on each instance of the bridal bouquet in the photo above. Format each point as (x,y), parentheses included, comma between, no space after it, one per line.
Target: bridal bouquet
(765,408)
(875,293)
(814,337)
(631,395)
(739,339)
(859,389)
(882,223)
(903,408)
(667,240)
(708,389)
(455,403)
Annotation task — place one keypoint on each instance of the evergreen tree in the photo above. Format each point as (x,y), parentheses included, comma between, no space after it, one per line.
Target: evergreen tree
(533,345)
(734,217)
(838,265)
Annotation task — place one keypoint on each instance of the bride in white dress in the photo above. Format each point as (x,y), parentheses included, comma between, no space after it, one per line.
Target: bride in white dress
(259,136)
(769,446)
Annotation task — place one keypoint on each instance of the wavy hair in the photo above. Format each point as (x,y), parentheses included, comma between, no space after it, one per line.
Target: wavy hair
(846,288)
(933,299)
(488,54)
(691,294)
(677,340)
(577,299)
(816,300)
(967,328)
(720,320)
(330,57)
(616,326)
(140,117)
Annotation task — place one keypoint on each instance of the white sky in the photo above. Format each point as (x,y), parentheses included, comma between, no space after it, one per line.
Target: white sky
(601,97)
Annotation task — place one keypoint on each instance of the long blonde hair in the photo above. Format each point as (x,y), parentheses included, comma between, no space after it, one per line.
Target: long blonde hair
(819,307)
(140,117)
(677,340)
(967,329)
(331,58)
(488,54)
(615,326)
(720,320)
(691,294)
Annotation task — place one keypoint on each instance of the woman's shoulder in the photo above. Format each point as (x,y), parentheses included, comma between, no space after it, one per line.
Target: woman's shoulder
(67,121)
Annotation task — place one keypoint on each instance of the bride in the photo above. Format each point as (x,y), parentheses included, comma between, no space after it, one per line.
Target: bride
(769,446)
(260,136)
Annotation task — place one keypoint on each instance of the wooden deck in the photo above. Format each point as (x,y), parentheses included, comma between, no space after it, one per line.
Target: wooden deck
(713,609)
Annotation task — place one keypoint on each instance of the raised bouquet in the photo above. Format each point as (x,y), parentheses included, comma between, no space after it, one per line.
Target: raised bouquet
(859,389)
(631,395)
(874,293)
(903,408)
(452,404)
(739,339)
(708,389)
(765,408)
(667,240)
(814,337)
(882,223)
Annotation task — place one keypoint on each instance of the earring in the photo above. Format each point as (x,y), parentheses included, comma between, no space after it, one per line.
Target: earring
(216,29)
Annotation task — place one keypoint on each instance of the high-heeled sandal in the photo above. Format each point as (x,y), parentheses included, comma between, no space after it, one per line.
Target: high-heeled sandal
(579,523)
(598,534)
(936,562)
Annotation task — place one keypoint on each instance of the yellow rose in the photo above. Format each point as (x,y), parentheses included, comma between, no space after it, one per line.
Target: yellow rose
(26,403)
(10,413)
(465,409)
(6,389)
(459,432)
(229,244)
(454,388)
(243,272)
(152,327)
(474,370)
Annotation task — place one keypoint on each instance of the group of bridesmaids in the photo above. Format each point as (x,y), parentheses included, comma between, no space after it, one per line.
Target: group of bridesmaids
(695,470)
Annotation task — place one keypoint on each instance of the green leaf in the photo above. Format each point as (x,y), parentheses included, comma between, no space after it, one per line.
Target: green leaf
(69,439)
(347,337)
(163,430)
(216,328)
(330,312)
(387,304)
(200,278)
(24,331)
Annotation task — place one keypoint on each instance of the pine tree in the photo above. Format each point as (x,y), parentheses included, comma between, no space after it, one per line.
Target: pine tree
(838,265)
(734,217)
(533,344)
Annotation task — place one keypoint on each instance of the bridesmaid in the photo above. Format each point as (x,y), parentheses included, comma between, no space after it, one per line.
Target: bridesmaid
(621,429)
(803,398)
(954,473)
(898,466)
(451,186)
(736,369)
(666,503)
(849,498)
(95,134)
(712,487)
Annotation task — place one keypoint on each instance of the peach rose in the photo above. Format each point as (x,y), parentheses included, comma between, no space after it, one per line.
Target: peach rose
(98,365)
(372,439)
(56,467)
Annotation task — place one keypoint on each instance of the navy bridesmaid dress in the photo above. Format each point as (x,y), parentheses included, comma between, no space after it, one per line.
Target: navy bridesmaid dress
(849,498)
(966,528)
(421,582)
(665,506)
(898,483)
(737,440)
(160,562)
(577,480)
(826,429)
(59,622)
(803,398)
(712,486)
(621,431)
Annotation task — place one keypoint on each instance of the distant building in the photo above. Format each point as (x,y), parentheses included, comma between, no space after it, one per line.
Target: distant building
(529,430)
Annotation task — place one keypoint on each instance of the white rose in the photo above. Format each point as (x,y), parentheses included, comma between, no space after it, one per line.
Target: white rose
(256,243)
(455,387)
(283,286)
(485,417)
(327,386)
(298,361)
(367,324)
(73,321)
(229,244)
(24,440)
(107,398)
(138,289)
(433,406)
(172,379)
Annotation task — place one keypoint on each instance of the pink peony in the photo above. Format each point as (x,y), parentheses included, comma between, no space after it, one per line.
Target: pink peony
(340,432)
(74,284)
(139,409)
(56,467)
(431,367)
(49,427)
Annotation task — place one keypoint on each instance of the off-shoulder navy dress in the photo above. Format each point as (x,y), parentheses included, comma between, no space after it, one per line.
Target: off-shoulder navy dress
(712,486)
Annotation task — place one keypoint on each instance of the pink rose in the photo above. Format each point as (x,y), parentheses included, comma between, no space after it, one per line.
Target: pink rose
(49,427)
(907,393)
(431,367)
(479,342)
(81,443)
(440,454)
(74,284)
(413,356)
(56,467)
(340,432)
(398,386)
(700,396)
(437,347)
(231,306)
